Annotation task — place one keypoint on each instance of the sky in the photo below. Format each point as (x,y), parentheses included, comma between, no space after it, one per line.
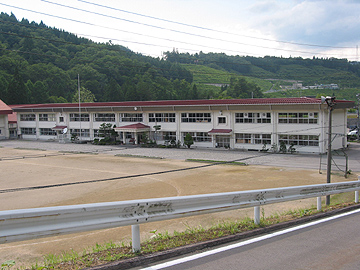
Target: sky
(305,28)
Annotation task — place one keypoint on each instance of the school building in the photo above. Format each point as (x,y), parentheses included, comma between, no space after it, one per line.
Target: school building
(248,124)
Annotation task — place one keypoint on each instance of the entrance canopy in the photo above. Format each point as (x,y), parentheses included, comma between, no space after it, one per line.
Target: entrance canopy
(220,131)
(135,130)
(59,128)
(139,127)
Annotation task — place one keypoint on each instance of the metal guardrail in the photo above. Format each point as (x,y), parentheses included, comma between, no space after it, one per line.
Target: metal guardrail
(25,224)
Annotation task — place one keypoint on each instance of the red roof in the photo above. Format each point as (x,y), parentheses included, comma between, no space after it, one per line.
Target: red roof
(12,118)
(4,109)
(159,103)
(134,126)
(59,127)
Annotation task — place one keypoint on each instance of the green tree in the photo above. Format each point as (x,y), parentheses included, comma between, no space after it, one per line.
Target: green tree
(85,96)
(188,140)
(105,130)
(38,92)
(17,92)
(55,99)
(113,91)
(3,87)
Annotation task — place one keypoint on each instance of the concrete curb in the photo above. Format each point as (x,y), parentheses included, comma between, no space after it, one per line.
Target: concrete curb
(143,260)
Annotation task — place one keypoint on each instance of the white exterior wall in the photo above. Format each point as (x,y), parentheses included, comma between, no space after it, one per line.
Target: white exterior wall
(4,130)
(274,128)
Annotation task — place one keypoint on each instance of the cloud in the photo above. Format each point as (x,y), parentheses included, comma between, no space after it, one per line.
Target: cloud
(332,23)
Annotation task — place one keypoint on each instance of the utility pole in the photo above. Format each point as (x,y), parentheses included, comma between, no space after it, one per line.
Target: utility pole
(358,117)
(330,101)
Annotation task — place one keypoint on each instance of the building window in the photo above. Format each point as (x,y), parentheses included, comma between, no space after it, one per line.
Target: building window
(47,131)
(27,117)
(28,131)
(298,118)
(253,138)
(169,135)
(222,120)
(162,117)
(251,117)
(47,117)
(75,117)
(61,119)
(96,133)
(302,140)
(84,132)
(131,117)
(198,136)
(196,117)
(104,117)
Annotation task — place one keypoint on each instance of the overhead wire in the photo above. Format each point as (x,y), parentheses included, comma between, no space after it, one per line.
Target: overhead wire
(173,30)
(115,48)
(149,25)
(213,30)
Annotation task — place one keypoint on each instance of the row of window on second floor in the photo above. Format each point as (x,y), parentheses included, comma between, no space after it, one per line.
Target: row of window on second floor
(250,117)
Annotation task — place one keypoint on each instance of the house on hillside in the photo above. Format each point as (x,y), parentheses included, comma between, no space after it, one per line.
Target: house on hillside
(5,111)
(248,124)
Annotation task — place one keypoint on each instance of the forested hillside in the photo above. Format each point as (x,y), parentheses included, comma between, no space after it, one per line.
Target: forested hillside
(309,71)
(39,64)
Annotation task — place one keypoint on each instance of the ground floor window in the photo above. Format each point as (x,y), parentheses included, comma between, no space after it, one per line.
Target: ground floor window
(169,135)
(253,138)
(304,140)
(28,131)
(84,132)
(198,136)
(47,131)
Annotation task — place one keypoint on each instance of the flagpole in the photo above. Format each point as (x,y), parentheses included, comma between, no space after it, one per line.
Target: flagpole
(79,106)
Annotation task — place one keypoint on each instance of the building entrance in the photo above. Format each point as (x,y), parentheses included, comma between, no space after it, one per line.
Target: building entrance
(223,141)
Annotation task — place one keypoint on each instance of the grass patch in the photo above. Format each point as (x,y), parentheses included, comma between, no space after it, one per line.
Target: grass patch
(137,156)
(217,161)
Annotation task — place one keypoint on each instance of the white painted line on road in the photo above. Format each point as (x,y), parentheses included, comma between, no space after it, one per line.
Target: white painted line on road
(247,242)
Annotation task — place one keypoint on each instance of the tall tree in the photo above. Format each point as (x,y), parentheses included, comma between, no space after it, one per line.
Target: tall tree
(113,91)
(85,96)
(17,92)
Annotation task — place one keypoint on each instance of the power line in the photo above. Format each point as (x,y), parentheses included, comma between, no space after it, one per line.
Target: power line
(149,25)
(115,48)
(213,30)
(172,30)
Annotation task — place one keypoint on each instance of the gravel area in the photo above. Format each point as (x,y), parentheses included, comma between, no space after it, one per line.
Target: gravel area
(307,161)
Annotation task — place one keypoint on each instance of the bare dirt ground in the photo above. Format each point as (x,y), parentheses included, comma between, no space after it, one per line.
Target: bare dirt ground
(36,171)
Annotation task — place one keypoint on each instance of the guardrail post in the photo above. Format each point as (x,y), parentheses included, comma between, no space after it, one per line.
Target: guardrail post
(318,203)
(135,233)
(356,196)
(257,215)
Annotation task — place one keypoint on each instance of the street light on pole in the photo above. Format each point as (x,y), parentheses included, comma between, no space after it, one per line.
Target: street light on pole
(330,101)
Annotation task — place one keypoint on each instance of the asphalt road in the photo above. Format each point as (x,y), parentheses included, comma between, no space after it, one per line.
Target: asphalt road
(333,244)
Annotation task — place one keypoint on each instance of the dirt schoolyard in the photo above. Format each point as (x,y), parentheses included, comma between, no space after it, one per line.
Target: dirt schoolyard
(52,167)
